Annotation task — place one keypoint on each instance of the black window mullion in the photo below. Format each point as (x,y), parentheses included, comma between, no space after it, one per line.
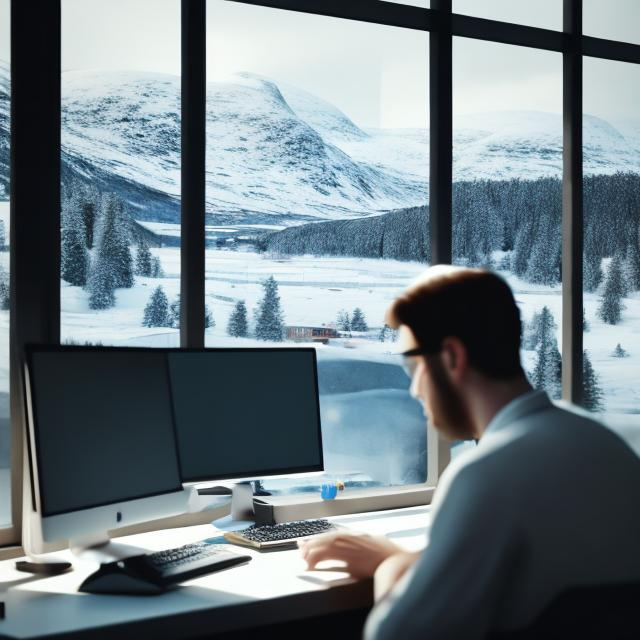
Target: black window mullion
(193,118)
(35,200)
(440,133)
(611,49)
(572,205)
(507,33)
(374,11)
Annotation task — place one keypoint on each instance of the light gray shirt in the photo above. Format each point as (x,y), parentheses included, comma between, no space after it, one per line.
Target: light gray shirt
(549,499)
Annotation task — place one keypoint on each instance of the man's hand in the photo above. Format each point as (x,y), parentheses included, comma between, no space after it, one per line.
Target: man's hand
(362,554)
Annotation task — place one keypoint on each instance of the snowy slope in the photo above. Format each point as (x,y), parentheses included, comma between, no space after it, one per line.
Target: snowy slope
(280,155)
(630,129)
(528,144)
(262,157)
(124,123)
(331,123)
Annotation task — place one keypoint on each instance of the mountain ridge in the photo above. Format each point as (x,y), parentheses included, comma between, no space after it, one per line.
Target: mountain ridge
(279,154)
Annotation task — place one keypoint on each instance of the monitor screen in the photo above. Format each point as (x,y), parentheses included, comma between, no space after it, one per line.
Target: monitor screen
(246,412)
(103,426)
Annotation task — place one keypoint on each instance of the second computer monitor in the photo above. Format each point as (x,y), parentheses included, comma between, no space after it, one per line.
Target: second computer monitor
(246,413)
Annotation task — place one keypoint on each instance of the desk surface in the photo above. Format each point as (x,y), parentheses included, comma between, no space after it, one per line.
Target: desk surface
(274,587)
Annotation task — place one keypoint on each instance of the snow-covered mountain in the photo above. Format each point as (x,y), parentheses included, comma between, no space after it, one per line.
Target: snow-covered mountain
(263,160)
(278,154)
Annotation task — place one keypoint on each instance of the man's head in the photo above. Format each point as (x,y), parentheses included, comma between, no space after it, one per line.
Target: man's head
(463,326)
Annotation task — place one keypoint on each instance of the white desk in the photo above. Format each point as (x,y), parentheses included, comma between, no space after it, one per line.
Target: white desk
(274,587)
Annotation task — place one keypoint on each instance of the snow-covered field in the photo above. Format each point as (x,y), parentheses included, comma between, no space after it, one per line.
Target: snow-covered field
(313,290)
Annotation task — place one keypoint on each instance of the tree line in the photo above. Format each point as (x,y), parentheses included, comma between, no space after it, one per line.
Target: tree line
(520,217)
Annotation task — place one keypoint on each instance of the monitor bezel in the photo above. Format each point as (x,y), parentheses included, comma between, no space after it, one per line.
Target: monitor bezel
(33,440)
(34,449)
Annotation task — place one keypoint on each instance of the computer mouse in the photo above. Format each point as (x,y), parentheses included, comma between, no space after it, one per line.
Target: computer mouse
(123,577)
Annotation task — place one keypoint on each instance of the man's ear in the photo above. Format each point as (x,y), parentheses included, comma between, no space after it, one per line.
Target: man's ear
(455,358)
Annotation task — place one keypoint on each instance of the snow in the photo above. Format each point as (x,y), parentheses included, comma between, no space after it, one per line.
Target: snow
(314,290)
(279,156)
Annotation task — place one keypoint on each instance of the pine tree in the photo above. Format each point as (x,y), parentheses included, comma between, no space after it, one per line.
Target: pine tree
(156,313)
(5,301)
(540,329)
(100,285)
(358,322)
(3,235)
(540,268)
(209,322)
(632,264)
(619,352)
(591,391)
(384,333)
(112,247)
(585,323)
(547,372)
(554,371)
(592,272)
(174,315)
(539,373)
(88,213)
(344,320)
(505,262)
(610,310)
(74,257)
(156,268)
(270,323)
(144,260)
(174,312)
(238,326)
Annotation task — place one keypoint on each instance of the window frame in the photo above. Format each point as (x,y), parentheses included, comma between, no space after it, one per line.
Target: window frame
(35,173)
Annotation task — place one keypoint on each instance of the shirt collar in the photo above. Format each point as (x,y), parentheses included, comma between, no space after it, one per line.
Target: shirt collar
(529,402)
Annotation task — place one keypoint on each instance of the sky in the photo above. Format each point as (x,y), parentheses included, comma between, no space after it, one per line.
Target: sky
(377,75)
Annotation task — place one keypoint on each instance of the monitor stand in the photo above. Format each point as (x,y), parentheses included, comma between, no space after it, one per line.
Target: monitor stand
(242,514)
(100,548)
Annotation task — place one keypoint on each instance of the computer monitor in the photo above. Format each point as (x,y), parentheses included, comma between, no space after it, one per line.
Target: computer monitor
(101,442)
(245,413)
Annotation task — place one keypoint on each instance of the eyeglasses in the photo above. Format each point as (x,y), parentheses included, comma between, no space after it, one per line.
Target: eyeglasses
(409,363)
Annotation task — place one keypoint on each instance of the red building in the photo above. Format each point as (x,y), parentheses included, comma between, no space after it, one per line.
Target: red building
(310,334)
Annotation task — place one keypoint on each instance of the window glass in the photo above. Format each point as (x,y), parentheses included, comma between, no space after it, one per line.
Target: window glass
(611,139)
(612,19)
(545,14)
(5,131)
(316,194)
(120,219)
(507,191)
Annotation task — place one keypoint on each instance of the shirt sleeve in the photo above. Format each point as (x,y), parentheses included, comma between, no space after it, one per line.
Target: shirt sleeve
(456,586)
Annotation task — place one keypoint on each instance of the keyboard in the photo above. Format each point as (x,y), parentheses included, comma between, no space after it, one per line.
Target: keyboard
(278,536)
(156,572)
(192,560)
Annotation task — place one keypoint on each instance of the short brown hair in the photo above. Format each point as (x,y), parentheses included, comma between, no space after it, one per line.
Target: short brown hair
(474,305)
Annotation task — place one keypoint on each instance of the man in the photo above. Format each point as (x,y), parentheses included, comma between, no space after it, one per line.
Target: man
(549,499)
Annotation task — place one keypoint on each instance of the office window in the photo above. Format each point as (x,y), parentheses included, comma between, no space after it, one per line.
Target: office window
(611,142)
(507,185)
(316,193)
(545,14)
(612,19)
(120,219)
(5,130)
